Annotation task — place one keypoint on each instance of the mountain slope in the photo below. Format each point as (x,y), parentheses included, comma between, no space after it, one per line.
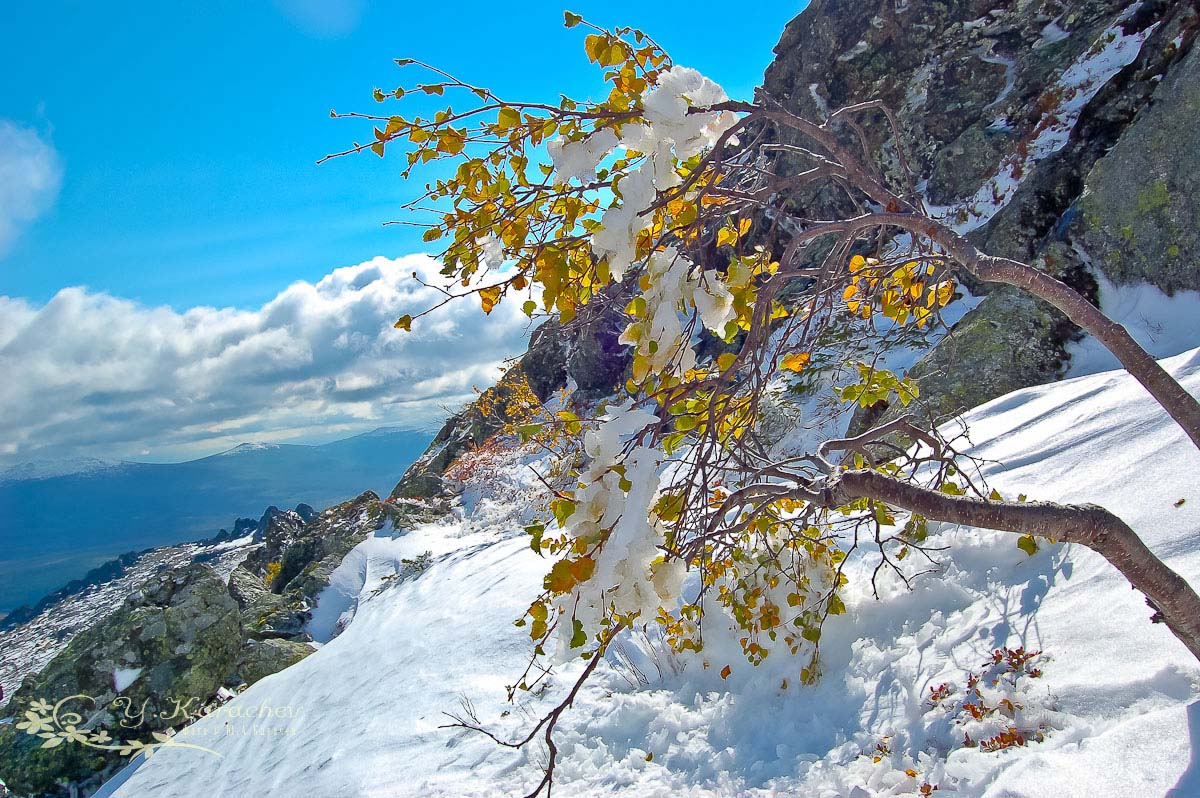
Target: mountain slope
(1117,701)
(54,529)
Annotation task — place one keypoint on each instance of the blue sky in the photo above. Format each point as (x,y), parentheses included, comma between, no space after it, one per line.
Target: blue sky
(188,132)
(183,137)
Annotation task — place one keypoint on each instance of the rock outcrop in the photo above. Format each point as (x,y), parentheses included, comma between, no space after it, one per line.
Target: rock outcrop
(978,85)
(164,653)
(183,636)
(1139,214)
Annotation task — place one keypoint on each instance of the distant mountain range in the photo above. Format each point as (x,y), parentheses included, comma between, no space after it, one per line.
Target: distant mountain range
(59,519)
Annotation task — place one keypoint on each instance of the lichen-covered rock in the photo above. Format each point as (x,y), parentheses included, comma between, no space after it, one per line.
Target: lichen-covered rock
(167,650)
(968,80)
(276,585)
(325,541)
(246,587)
(1140,217)
(261,658)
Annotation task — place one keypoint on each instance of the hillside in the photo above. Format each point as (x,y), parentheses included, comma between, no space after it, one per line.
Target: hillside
(371,701)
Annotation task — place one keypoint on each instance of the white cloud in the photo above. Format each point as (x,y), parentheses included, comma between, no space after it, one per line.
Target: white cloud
(91,374)
(30,176)
(323,18)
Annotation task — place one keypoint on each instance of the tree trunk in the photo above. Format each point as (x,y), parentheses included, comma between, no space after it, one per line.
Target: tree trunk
(1174,600)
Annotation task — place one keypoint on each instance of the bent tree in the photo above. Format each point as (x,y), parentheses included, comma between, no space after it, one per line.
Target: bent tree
(666,202)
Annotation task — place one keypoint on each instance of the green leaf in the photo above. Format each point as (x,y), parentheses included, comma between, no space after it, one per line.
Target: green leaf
(571,421)
(578,636)
(527,431)
(571,20)
(535,533)
(1027,544)
(562,508)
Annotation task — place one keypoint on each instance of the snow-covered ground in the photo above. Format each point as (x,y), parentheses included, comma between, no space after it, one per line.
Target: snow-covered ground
(1118,698)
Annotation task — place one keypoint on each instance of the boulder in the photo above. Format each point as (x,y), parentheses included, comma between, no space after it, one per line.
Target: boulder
(162,654)
(261,658)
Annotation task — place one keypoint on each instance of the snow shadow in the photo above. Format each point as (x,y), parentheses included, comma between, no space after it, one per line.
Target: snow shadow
(1188,785)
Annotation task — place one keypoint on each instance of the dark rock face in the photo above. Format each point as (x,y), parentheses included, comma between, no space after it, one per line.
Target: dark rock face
(461,433)
(586,352)
(306,512)
(1140,211)
(545,362)
(970,81)
(598,361)
(589,354)
(173,643)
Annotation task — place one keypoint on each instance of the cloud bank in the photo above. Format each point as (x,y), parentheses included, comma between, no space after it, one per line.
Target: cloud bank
(89,374)
(30,176)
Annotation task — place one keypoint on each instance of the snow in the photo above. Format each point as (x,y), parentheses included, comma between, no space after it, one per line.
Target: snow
(1118,698)
(384,556)
(1052,33)
(1163,325)
(48,469)
(123,677)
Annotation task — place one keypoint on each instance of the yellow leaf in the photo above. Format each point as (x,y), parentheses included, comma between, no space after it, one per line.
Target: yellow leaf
(594,45)
(857,263)
(726,235)
(797,361)
(404,323)
(744,226)
(614,55)
(490,297)
(451,142)
(508,118)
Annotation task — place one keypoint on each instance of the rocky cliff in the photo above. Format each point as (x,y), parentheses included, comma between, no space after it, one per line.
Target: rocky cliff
(1058,132)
